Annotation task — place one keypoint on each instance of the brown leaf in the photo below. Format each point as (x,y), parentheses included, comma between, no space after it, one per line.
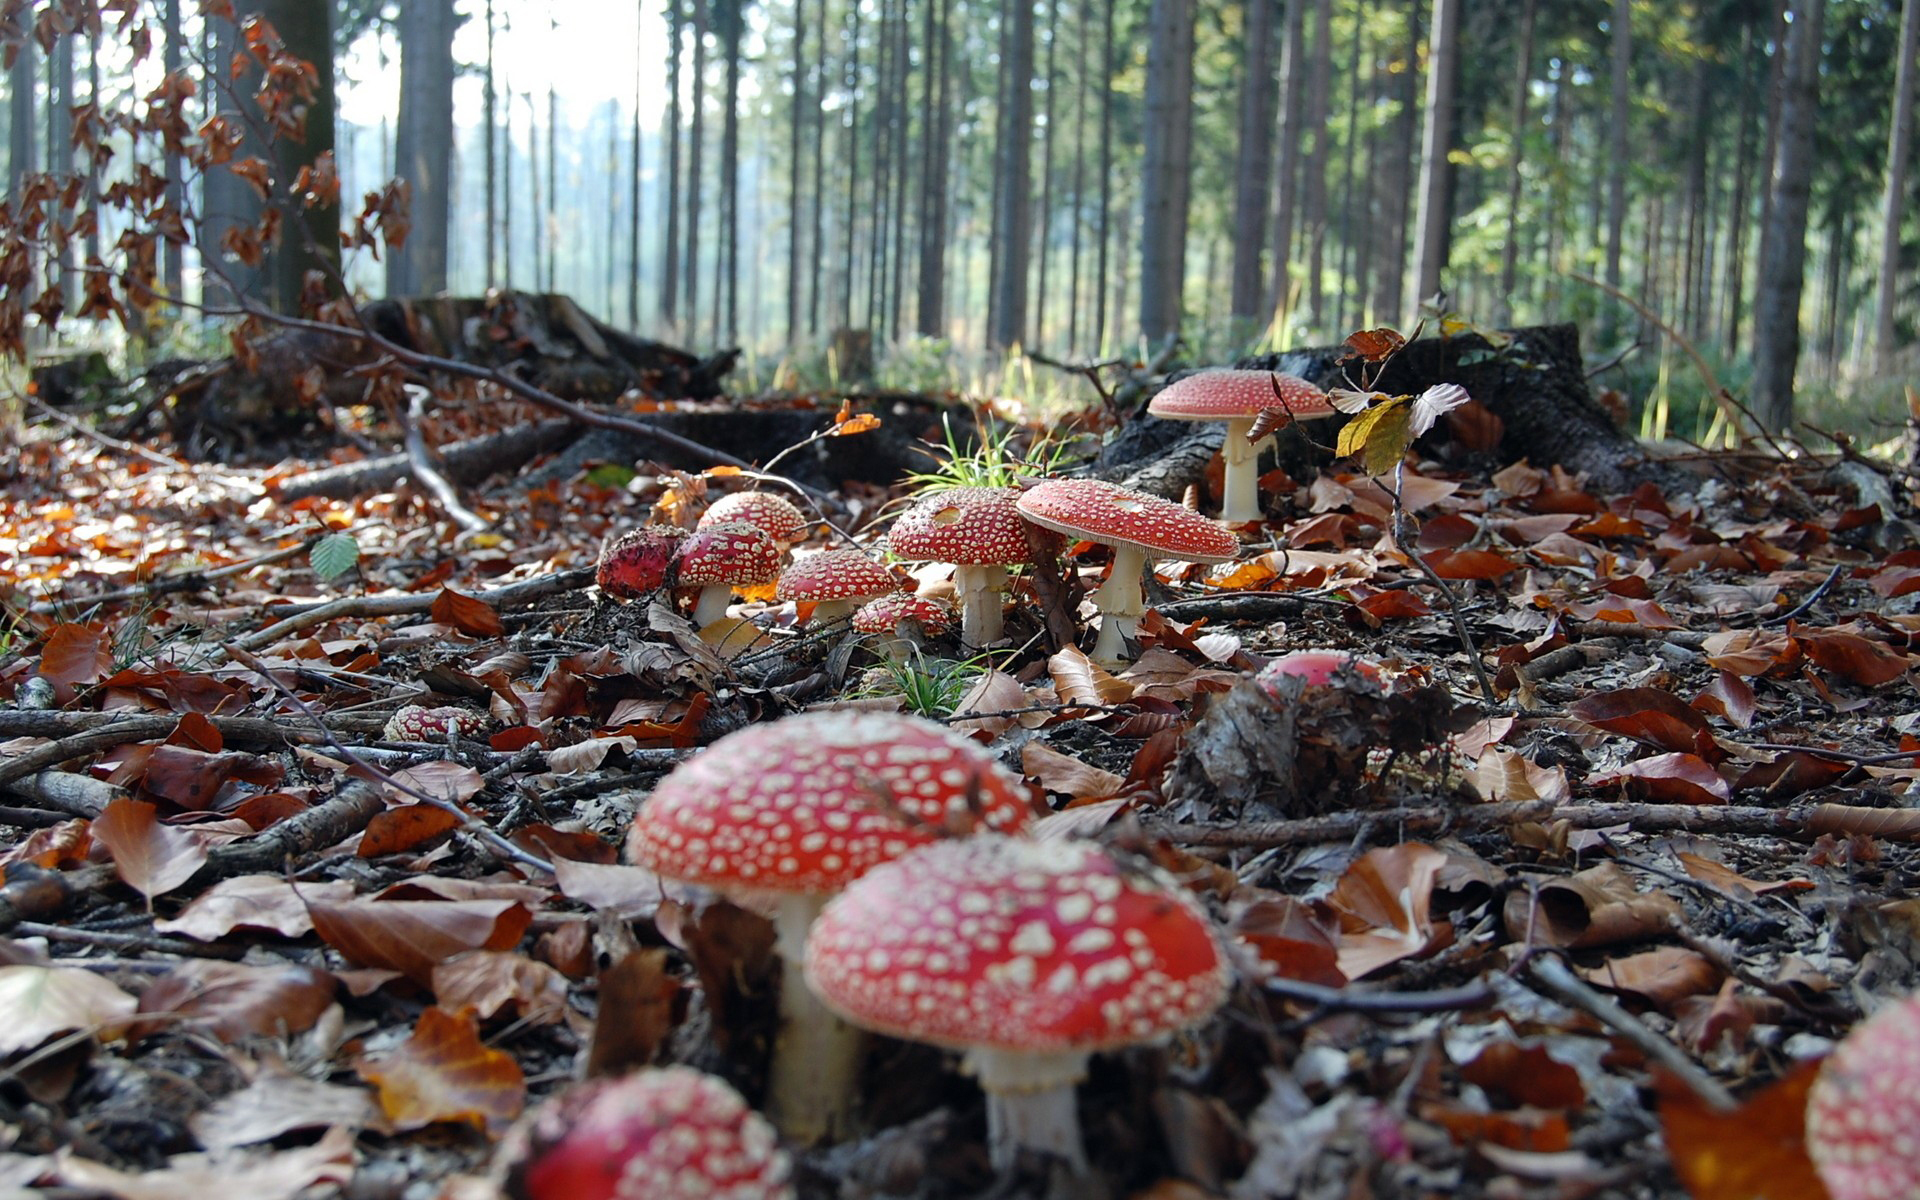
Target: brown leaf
(256,1175)
(1508,775)
(444,1073)
(257,902)
(234,1001)
(636,1012)
(1668,779)
(415,936)
(1066,774)
(149,857)
(470,616)
(1852,657)
(1650,715)
(1597,907)
(276,1102)
(1383,901)
(1292,938)
(193,778)
(1375,345)
(1728,696)
(487,981)
(1078,678)
(75,657)
(1730,881)
(441,778)
(1755,1153)
(56,847)
(37,1003)
(630,892)
(1661,976)
(1514,1074)
(1470,564)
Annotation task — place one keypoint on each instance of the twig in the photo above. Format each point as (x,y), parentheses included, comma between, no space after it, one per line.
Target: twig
(1469,996)
(1812,599)
(420,459)
(104,733)
(1399,525)
(306,616)
(186,581)
(1553,977)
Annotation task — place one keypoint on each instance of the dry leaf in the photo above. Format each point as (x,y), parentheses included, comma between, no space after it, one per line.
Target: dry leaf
(234,1001)
(487,981)
(1597,907)
(444,1073)
(37,1003)
(415,936)
(278,1102)
(149,857)
(1755,1153)
(1066,774)
(256,902)
(1383,901)
(254,1175)
(467,614)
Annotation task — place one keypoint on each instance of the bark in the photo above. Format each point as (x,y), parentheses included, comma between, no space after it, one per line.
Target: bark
(1313,182)
(1013,175)
(1892,201)
(902,174)
(21,159)
(1165,172)
(172,256)
(1393,183)
(1770,147)
(1622,63)
(934,120)
(696,148)
(818,241)
(727,314)
(796,126)
(1043,226)
(1739,206)
(463,462)
(1522,91)
(1781,275)
(1106,186)
(1349,295)
(1287,160)
(850,219)
(634,216)
(1253,162)
(1432,225)
(1076,227)
(490,101)
(423,145)
(669,245)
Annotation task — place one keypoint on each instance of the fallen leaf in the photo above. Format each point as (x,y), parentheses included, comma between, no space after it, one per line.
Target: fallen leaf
(444,1073)
(1596,907)
(1382,901)
(1515,1074)
(37,1003)
(1078,679)
(151,858)
(1650,715)
(276,1102)
(1067,775)
(1661,976)
(406,828)
(75,657)
(487,981)
(415,936)
(1757,1152)
(234,1000)
(1668,779)
(258,902)
(255,1175)
(467,614)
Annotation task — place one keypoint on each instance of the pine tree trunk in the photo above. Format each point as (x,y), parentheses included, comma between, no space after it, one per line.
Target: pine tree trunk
(1617,164)
(816,261)
(1522,92)
(1740,203)
(172,268)
(1782,272)
(1106,186)
(1770,147)
(670,243)
(1433,223)
(1287,161)
(1164,167)
(851,222)
(1349,289)
(930,314)
(1313,182)
(1044,224)
(423,146)
(727,318)
(1253,166)
(1082,69)
(1013,173)
(795,165)
(696,151)
(1899,142)
(634,222)
(489,161)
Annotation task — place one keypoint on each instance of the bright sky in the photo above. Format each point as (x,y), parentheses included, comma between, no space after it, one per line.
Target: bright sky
(585,48)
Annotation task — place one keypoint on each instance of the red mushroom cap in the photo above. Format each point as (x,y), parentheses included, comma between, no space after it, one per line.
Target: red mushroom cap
(668,1134)
(1017,944)
(885,614)
(762,510)
(1107,512)
(638,561)
(1863,1107)
(732,553)
(807,803)
(417,723)
(968,526)
(1222,395)
(1317,667)
(836,575)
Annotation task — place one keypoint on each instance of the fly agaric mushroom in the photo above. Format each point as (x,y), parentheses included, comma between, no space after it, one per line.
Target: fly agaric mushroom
(1862,1108)
(978,530)
(786,814)
(638,562)
(1317,667)
(899,618)
(762,510)
(417,723)
(667,1134)
(836,582)
(1137,526)
(720,558)
(1028,956)
(1239,398)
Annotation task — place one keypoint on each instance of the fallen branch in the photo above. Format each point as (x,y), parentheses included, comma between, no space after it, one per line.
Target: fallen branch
(306,616)
(420,462)
(465,462)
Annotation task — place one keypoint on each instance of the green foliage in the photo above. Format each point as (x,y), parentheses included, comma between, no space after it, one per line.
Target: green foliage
(334,555)
(930,687)
(989,457)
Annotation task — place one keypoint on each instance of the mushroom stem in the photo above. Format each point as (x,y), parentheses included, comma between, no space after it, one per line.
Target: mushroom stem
(826,612)
(1031,1103)
(1120,601)
(1241,501)
(816,1055)
(978,589)
(712,604)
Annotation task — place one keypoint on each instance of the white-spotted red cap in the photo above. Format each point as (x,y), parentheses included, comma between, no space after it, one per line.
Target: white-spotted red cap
(835,575)
(968,526)
(884,614)
(1317,667)
(418,723)
(762,510)
(810,802)
(1106,512)
(1017,945)
(638,561)
(1863,1111)
(1222,395)
(667,1134)
(731,554)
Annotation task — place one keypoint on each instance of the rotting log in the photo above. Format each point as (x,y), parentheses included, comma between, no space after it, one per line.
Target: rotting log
(465,462)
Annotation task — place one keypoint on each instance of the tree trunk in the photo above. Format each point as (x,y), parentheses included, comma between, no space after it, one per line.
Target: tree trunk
(1349,291)
(1740,203)
(902,174)
(1432,225)
(670,244)
(853,163)
(1622,63)
(1770,148)
(1043,226)
(490,101)
(1522,91)
(1253,165)
(634,222)
(727,316)
(1783,251)
(1892,202)
(1165,167)
(795,127)
(930,312)
(551,226)
(1286,165)
(1082,68)
(1313,183)
(1013,173)
(1392,179)
(1106,186)
(696,148)
(816,261)
(423,146)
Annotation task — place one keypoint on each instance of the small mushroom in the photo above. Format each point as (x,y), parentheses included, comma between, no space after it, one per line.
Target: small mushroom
(762,510)
(720,558)
(1239,398)
(1862,1108)
(900,619)
(418,723)
(638,562)
(786,814)
(1028,956)
(978,530)
(1318,667)
(1137,526)
(667,1134)
(836,582)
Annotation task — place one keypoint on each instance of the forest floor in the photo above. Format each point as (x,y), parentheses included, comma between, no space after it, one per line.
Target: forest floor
(1584,936)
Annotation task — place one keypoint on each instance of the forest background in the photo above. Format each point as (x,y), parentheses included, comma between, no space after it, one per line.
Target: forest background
(1084,178)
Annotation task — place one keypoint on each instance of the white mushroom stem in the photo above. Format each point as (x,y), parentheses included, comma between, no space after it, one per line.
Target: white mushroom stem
(712,604)
(1241,503)
(816,1055)
(978,589)
(826,612)
(1120,601)
(1030,1103)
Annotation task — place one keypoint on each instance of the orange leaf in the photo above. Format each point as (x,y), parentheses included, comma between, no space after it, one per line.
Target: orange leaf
(398,830)
(490,980)
(1383,904)
(1470,564)
(415,936)
(468,615)
(1515,1074)
(75,657)
(149,857)
(1853,657)
(1755,1153)
(444,1073)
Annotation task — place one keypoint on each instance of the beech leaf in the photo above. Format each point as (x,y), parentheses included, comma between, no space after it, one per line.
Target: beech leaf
(444,1073)
(149,857)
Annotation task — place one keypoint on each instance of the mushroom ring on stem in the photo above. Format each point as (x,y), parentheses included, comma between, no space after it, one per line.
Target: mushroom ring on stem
(1138,527)
(783,815)
(978,530)
(1239,398)
(1029,956)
